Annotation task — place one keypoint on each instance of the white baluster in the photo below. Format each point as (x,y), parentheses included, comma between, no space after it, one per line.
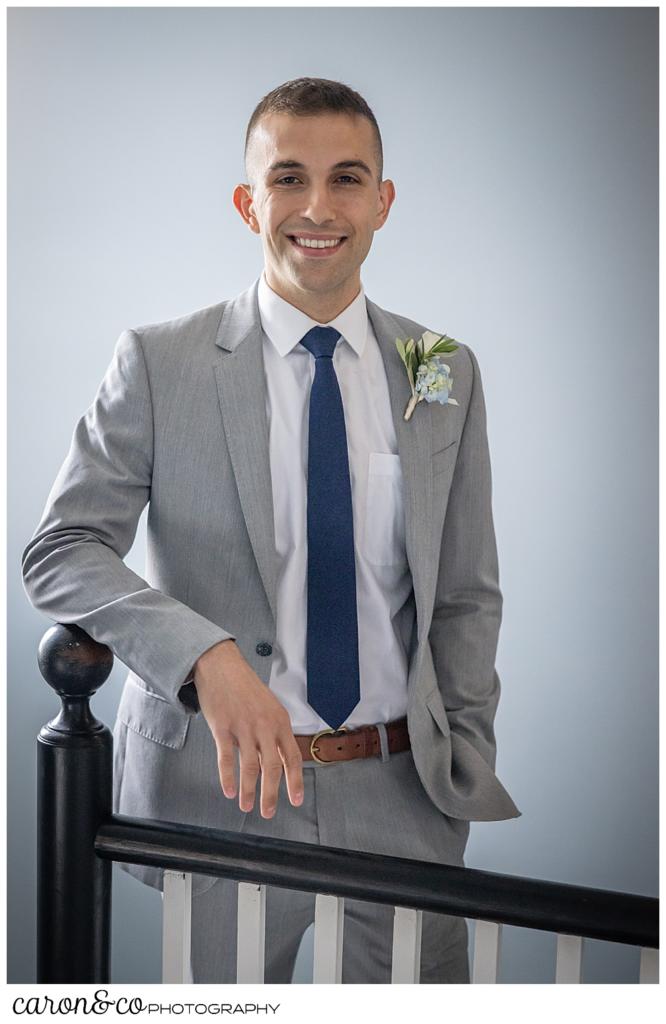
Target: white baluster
(406,962)
(251,933)
(176,928)
(569,963)
(649,971)
(329,924)
(487,941)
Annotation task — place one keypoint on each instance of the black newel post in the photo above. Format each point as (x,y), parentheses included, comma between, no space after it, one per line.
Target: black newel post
(74,793)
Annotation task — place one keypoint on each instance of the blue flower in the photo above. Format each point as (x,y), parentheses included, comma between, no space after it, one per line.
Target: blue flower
(434,382)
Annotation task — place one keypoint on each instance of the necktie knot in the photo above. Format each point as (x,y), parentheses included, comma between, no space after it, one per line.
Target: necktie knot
(321,341)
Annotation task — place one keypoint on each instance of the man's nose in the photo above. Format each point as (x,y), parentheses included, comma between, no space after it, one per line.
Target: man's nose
(319,206)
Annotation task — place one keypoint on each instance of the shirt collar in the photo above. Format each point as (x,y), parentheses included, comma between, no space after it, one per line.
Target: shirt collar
(285,325)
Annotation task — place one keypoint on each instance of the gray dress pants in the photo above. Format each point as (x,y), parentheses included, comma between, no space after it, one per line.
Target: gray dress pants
(375,804)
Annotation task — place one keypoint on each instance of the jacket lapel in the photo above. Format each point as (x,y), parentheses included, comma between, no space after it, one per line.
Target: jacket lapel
(241,386)
(242,397)
(415,449)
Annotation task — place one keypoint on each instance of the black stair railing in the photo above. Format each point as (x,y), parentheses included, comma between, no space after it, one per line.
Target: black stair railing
(79,837)
(74,794)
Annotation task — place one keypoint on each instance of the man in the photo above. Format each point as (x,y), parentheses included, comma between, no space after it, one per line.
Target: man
(321,596)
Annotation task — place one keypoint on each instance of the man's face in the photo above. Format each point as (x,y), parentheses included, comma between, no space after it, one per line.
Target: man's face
(314,198)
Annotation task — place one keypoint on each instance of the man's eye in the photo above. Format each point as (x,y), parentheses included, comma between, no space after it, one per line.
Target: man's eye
(293,177)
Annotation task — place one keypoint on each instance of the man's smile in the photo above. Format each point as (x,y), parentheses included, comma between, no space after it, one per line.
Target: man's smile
(317,246)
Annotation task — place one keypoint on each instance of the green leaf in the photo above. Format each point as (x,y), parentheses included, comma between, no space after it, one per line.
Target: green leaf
(442,346)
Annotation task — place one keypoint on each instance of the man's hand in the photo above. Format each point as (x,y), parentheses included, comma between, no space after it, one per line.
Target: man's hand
(242,712)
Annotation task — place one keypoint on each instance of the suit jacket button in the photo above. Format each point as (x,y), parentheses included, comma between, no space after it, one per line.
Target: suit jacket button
(264,649)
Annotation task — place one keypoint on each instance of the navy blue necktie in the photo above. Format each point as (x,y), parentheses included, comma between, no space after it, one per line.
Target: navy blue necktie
(332,630)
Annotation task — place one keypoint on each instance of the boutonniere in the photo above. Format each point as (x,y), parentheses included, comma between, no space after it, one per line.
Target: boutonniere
(429,377)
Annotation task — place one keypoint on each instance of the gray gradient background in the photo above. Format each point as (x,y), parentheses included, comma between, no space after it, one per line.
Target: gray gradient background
(523,146)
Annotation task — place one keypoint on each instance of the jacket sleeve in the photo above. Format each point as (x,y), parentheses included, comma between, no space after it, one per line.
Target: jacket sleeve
(468,602)
(73,569)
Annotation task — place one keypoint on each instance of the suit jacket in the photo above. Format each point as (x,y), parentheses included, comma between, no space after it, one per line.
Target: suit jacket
(179,422)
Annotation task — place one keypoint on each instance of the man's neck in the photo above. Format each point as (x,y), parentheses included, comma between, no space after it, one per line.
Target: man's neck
(322,308)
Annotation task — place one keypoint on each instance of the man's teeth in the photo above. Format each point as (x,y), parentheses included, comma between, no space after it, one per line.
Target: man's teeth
(317,243)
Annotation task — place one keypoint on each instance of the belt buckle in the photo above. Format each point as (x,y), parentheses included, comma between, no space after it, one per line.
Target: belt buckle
(324,732)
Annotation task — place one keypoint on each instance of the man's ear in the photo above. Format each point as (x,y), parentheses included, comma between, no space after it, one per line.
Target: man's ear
(386,197)
(244,203)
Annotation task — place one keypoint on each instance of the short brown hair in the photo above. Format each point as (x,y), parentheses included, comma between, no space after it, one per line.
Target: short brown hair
(304,97)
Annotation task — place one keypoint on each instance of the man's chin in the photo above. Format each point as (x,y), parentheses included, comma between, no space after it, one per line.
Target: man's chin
(313,281)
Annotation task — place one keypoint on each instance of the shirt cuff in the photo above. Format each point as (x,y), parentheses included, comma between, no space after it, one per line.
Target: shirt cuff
(188,695)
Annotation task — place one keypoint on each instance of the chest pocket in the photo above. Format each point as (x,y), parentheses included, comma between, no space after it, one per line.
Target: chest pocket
(384,527)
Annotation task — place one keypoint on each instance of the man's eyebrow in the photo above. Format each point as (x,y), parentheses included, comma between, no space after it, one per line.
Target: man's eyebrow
(285,165)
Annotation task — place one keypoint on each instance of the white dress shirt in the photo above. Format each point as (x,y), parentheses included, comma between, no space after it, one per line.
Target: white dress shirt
(385,602)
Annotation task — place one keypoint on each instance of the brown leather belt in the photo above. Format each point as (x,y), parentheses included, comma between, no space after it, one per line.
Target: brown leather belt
(328,746)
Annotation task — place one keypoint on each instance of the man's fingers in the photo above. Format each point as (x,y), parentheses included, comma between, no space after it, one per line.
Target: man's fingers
(268,751)
(271,773)
(293,766)
(226,764)
(249,772)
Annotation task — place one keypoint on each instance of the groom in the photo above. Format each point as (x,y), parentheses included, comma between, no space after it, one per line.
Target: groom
(321,599)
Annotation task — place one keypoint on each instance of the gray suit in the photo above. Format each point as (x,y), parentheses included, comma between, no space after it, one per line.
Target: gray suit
(179,421)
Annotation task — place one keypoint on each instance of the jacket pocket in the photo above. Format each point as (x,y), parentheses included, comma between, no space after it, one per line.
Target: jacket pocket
(152,717)
(443,458)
